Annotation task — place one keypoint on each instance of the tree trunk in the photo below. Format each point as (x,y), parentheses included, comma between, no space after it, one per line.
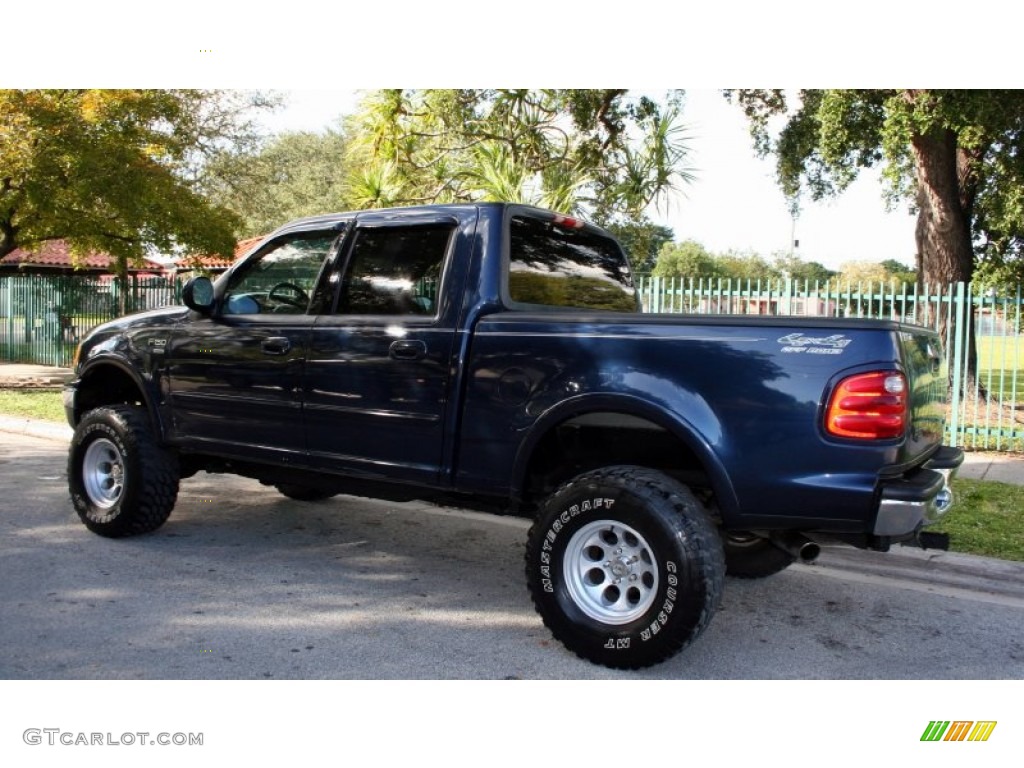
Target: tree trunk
(8,238)
(944,250)
(121,281)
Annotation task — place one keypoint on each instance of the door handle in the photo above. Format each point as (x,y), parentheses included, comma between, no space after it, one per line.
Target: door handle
(407,350)
(276,345)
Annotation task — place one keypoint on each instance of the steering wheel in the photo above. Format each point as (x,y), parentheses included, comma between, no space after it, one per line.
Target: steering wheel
(299,301)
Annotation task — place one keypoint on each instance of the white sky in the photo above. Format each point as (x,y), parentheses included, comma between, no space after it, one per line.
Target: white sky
(734,202)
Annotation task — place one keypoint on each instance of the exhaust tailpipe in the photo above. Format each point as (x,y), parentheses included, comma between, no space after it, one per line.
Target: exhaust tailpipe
(797,545)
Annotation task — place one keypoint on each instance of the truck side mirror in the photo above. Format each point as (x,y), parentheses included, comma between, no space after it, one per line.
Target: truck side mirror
(198,295)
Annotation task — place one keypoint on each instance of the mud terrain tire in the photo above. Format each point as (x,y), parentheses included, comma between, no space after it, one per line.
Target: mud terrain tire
(122,483)
(624,566)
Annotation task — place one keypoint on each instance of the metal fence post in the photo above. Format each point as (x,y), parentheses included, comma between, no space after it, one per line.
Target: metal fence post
(955,315)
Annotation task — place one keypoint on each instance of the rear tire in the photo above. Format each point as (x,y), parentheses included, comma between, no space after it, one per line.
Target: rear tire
(624,566)
(122,482)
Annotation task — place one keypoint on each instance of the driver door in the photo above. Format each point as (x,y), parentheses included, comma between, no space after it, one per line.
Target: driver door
(235,376)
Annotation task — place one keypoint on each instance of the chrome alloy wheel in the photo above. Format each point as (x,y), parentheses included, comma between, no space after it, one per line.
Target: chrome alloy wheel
(610,572)
(103,473)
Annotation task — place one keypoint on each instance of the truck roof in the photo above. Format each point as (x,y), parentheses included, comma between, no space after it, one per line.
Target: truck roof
(327,219)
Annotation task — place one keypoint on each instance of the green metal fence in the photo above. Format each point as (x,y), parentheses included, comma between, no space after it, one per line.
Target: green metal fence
(43,317)
(985,414)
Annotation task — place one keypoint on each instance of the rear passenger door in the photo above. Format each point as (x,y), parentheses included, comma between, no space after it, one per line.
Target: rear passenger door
(379,366)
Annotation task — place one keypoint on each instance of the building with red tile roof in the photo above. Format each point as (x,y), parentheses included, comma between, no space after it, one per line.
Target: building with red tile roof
(54,258)
(216,263)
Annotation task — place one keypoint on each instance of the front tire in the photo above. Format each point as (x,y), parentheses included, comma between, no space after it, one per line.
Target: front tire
(122,482)
(624,566)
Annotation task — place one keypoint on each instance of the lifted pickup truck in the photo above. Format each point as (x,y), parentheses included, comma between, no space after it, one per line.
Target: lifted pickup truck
(493,356)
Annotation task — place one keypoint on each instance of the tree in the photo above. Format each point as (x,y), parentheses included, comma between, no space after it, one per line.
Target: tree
(957,155)
(642,241)
(863,273)
(293,175)
(600,153)
(116,171)
(744,266)
(792,266)
(899,272)
(688,259)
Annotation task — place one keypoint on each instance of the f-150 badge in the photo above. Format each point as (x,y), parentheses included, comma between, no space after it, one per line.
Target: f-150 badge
(814,345)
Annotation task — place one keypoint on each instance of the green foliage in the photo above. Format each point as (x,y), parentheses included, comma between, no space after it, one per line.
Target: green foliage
(957,155)
(116,171)
(792,266)
(744,266)
(863,273)
(901,273)
(688,259)
(600,153)
(642,241)
(986,519)
(33,404)
(293,175)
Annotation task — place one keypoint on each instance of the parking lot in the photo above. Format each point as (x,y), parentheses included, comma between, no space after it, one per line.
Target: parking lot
(242,583)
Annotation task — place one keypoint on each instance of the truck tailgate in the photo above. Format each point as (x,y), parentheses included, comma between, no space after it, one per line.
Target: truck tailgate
(929,386)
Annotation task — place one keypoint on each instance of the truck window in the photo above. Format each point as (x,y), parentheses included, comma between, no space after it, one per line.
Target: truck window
(395,271)
(564,266)
(281,279)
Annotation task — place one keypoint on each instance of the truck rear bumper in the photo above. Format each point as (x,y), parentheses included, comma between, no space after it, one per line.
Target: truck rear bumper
(919,499)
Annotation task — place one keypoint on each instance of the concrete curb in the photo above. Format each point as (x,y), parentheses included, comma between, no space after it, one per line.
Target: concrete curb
(994,467)
(48,430)
(931,570)
(28,376)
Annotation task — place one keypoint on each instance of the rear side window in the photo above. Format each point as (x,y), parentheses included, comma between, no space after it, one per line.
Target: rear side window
(564,266)
(395,270)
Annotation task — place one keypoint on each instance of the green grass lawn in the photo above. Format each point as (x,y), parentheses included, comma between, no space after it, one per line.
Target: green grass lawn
(33,404)
(987,519)
(1000,364)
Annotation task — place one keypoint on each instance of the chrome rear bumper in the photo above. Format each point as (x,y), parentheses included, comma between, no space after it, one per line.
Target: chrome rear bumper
(919,499)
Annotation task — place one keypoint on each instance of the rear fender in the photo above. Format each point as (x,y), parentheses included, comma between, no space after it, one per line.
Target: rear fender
(680,428)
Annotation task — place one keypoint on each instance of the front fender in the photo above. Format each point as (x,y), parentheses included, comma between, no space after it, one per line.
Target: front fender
(106,378)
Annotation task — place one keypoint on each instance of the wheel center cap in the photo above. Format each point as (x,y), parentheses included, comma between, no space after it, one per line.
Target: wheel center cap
(620,568)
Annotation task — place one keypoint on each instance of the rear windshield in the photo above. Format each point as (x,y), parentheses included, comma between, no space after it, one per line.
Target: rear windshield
(555,265)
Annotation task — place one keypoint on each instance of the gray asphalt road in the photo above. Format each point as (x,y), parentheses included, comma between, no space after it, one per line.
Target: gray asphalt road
(243,583)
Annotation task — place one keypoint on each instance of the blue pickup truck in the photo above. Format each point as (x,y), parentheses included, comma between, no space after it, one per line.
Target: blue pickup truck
(493,356)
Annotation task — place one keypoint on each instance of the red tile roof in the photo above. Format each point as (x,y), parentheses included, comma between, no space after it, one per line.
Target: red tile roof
(56,254)
(216,262)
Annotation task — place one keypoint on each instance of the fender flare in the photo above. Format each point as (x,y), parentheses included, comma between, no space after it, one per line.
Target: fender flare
(145,386)
(675,424)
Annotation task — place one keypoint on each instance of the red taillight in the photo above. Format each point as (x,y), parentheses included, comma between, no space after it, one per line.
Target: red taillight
(869,406)
(567,222)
